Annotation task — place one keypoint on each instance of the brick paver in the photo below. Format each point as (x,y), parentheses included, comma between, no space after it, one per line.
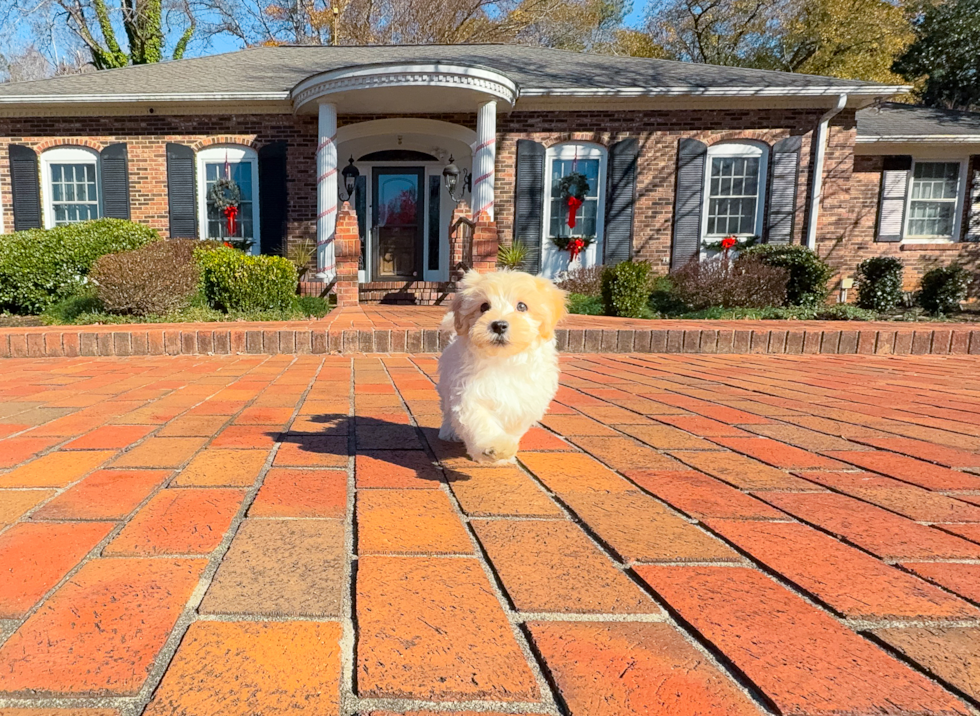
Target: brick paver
(683,534)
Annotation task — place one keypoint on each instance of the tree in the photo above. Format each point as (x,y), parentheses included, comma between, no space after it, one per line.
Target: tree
(96,24)
(31,64)
(945,56)
(573,24)
(855,39)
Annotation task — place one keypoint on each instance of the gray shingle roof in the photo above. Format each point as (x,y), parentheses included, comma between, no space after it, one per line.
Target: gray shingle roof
(892,121)
(276,70)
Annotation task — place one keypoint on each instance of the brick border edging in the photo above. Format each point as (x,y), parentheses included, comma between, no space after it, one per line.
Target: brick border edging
(138,341)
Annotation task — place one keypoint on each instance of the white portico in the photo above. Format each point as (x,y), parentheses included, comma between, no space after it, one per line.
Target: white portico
(403,208)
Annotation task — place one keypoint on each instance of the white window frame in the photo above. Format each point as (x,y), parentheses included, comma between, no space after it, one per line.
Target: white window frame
(957,209)
(553,260)
(66,155)
(235,154)
(739,148)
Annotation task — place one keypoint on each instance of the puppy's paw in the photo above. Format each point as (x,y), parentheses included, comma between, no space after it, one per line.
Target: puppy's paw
(446,434)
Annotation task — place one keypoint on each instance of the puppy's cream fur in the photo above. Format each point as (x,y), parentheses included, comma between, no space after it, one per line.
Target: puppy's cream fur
(494,386)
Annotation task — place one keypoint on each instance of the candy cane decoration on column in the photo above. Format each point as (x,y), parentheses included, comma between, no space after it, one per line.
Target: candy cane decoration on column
(326,191)
(484,158)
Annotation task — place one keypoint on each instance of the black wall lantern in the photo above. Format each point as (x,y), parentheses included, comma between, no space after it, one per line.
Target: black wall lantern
(350,174)
(451,175)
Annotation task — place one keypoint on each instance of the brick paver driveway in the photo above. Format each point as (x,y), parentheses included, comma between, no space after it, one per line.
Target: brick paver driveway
(684,535)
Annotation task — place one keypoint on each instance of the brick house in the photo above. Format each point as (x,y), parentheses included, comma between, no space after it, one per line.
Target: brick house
(675,156)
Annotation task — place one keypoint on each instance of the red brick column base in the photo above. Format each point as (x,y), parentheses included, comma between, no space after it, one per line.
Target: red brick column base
(485,243)
(347,244)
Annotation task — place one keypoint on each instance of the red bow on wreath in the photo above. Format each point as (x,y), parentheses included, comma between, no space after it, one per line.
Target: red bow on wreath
(231,213)
(575,247)
(574,203)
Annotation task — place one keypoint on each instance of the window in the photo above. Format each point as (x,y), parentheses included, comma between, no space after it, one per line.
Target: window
(562,160)
(241,165)
(71,185)
(735,190)
(589,161)
(933,200)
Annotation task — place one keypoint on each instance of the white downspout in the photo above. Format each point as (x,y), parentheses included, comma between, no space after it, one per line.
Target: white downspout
(817,194)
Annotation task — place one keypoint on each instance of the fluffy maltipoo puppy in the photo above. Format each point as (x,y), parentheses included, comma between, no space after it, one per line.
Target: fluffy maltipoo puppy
(500,371)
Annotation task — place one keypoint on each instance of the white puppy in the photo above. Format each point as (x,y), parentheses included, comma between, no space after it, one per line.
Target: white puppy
(500,371)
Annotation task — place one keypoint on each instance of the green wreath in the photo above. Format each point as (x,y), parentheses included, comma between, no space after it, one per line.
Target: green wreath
(562,242)
(574,184)
(224,193)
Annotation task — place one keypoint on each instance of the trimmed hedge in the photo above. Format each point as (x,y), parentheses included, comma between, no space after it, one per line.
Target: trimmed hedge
(626,289)
(156,278)
(942,289)
(40,267)
(808,273)
(879,283)
(235,281)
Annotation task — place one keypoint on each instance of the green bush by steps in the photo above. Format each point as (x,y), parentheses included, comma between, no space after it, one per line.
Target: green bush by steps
(626,289)
(236,281)
(40,267)
(879,283)
(808,273)
(942,289)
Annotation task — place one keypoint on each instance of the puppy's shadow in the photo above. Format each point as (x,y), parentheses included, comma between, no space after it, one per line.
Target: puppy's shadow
(402,446)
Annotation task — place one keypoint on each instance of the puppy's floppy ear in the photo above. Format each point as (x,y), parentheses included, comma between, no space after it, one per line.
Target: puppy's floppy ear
(552,299)
(462,301)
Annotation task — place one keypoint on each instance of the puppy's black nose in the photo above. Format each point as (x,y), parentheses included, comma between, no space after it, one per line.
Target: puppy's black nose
(499,327)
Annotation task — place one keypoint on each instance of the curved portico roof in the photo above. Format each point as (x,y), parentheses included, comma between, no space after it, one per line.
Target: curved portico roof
(270,74)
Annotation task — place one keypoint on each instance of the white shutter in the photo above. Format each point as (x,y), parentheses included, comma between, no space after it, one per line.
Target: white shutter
(894,186)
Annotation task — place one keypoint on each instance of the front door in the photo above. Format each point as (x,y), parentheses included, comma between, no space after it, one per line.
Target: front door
(398,217)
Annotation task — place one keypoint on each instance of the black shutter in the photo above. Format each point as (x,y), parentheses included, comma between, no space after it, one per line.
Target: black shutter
(115,181)
(782,190)
(688,197)
(182,191)
(620,198)
(529,201)
(895,173)
(360,207)
(273,198)
(435,184)
(26,193)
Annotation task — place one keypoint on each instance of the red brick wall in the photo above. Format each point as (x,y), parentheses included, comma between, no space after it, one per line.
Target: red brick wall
(658,133)
(847,218)
(146,138)
(847,238)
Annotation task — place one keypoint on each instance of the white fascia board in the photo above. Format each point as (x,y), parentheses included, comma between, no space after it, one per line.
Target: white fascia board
(870,90)
(921,139)
(169,97)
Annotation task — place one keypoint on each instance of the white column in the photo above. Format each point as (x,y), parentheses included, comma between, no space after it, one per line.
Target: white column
(326,192)
(484,158)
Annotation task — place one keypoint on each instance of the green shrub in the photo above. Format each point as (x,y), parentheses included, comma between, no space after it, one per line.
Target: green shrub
(808,273)
(879,283)
(585,305)
(156,278)
(845,312)
(626,289)
(512,257)
(41,267)
(312,306)
(942,289)
(235,281)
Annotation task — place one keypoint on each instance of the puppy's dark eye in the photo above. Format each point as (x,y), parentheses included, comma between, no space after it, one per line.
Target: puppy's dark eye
(522,307)
(484,308)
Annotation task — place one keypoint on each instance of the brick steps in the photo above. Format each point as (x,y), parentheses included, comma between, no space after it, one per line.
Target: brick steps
(758,337)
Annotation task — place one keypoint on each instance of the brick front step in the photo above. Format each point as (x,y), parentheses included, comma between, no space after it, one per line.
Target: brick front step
(583,334)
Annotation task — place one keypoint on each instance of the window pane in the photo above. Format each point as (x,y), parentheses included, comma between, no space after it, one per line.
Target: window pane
(74,193)
(733,190)
(932,208)
(586,218)
(217,223)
